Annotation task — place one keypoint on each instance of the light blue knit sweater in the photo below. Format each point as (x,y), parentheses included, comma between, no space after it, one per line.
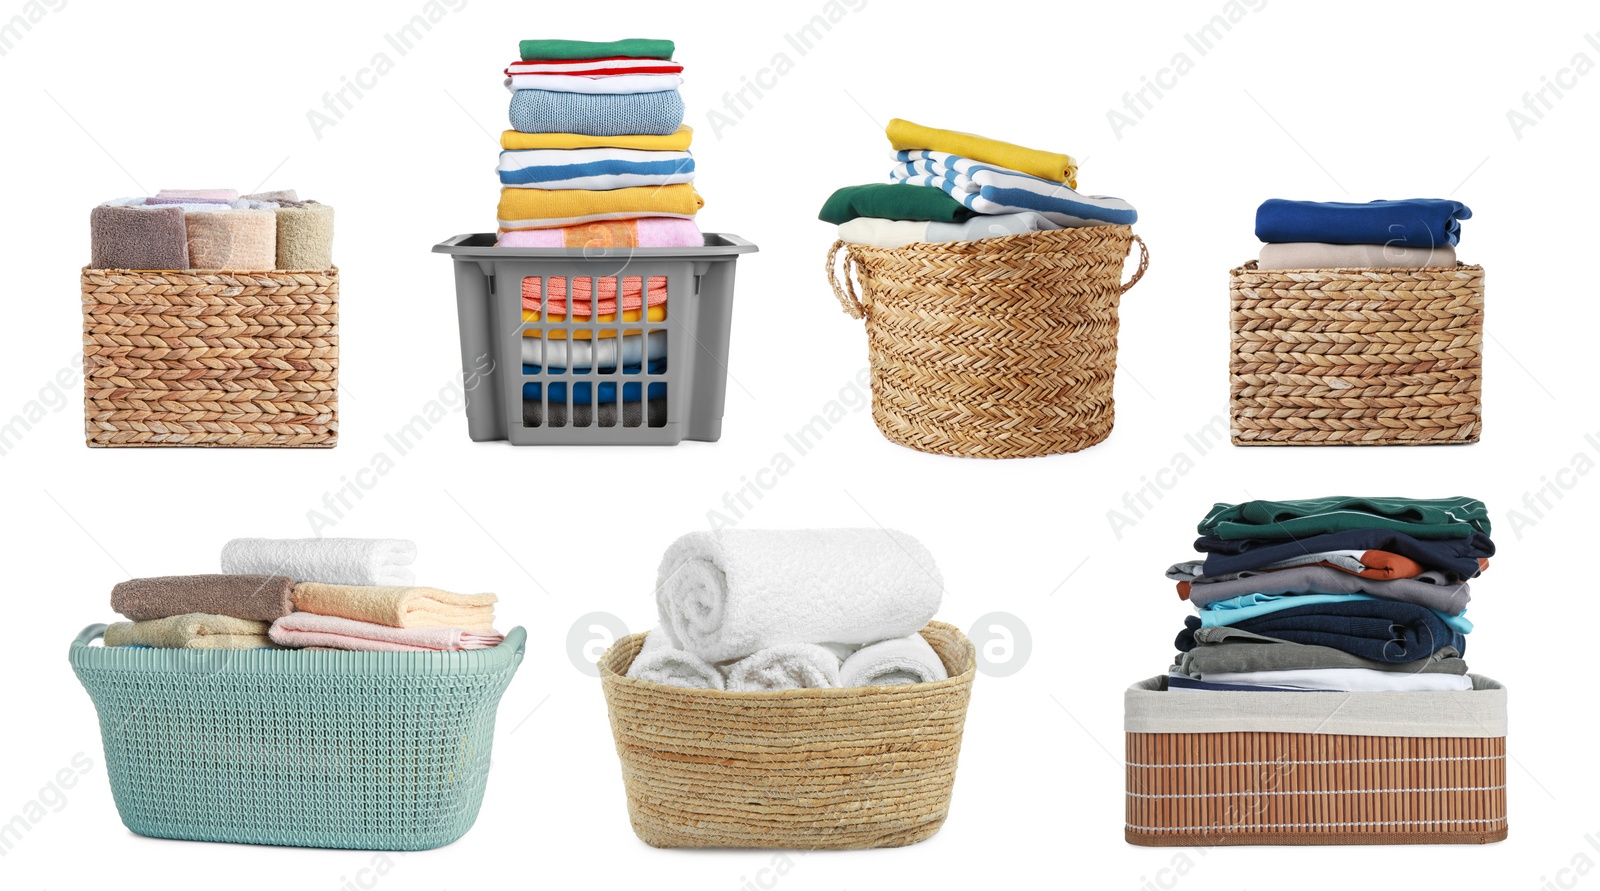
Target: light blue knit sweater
(597,114)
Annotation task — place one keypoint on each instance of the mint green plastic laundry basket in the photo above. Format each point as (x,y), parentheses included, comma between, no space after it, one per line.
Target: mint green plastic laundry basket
(380,751)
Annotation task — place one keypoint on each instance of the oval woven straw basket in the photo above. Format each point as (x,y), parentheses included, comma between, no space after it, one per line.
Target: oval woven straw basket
(208,358)
(377,751)
(1356,356)
(999,348)
(863,767)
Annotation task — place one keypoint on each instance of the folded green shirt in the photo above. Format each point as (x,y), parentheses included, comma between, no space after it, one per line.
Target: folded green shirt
(581,50)
(1430,518)
(893,201)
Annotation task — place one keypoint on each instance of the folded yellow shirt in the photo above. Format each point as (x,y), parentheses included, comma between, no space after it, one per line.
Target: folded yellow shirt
(547,208)
(908,137)
(657,313)
(511,140)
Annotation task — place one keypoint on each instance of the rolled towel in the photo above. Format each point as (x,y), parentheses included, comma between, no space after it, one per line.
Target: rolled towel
(597,114)
(262,598)
(904,660)
(789,666)
(726,595)
(177,196)
(193,631)
(245,240)
(659,662)
(337,561)
(288,196)
(305,237)
(313,630)
(398,606)
(125,236)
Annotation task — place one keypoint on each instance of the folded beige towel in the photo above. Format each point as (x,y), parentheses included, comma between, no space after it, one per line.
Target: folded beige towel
(239,240)
(191,631)
(398,607)
(1312,255)
(305,237)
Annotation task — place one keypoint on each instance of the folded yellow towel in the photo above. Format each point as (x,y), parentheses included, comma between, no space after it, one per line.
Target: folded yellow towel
(191,631)
(397,606)
(657,313)
(549,208)
(908,137)
(512,141)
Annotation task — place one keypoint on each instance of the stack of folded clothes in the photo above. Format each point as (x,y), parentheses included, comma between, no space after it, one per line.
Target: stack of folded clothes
(212,229)
(758,610)
(949,186)
(328,593)
(1415,233)
(1331,594)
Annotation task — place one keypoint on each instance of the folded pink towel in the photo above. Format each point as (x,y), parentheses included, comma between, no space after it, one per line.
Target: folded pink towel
(646,232)
(312,630)
(179,196)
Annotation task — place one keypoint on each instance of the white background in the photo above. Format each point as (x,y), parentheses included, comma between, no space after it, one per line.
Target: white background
(1345,101)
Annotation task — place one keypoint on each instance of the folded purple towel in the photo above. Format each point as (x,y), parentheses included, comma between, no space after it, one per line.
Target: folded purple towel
(132,237)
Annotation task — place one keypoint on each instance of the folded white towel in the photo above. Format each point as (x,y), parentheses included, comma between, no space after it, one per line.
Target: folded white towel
(904,660)
(728,594)
(899,233)
(789,666)
(633,348)
(661,663)
(335,561)
(613,83)
(1350,680)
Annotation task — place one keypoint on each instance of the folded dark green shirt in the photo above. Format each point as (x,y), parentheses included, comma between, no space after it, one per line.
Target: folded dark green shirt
(893,201)
(583,50)
(1432,518)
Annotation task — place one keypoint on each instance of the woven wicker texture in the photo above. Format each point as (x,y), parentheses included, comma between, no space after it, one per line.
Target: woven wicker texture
(379,751)
(1313,789)
(1356,356)
(864,767)
(210,358)
(999,348)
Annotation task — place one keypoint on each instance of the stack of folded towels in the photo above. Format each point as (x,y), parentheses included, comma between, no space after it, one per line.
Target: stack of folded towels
(754,610)
(1412,234)
(598,155)
(213,229)
(1331,594)
(319,593)
(949,186)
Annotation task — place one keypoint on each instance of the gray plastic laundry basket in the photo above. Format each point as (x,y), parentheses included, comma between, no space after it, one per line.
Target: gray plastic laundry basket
(569,405)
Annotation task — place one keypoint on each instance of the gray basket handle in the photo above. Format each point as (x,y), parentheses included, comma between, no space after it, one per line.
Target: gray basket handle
(1144,265)
(89,635)
(846,294)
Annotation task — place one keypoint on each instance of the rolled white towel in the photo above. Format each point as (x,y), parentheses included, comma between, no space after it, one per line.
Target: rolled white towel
(789,666)
(728,594)
(335,561)
(661,663)
(904,660)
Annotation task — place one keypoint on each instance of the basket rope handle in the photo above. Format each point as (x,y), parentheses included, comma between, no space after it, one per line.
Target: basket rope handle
(846,294)
(1144,265)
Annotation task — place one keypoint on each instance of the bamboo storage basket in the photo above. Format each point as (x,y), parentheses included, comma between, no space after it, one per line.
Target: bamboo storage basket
(376,751)
(1242,768)
(1356,356)
(864,767)
(998,348)
(207,358)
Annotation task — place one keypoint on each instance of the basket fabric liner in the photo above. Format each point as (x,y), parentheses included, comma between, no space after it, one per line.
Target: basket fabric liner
(382,751)
(837,768)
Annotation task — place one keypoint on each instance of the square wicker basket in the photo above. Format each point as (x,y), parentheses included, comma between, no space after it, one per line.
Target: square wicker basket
(1356,356)
(1244,768)
(207,358)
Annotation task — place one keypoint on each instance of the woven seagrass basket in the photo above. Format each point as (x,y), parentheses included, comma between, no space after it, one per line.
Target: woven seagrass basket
(998,348)
(1246,768)
(205,358)
(377,751)
(863,767)
(1356,356)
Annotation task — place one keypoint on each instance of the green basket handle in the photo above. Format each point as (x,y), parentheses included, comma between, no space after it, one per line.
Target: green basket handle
(517,639)
(89,635)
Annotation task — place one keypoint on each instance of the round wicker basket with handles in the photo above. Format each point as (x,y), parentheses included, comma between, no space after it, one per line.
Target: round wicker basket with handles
(999,348)
(839,768)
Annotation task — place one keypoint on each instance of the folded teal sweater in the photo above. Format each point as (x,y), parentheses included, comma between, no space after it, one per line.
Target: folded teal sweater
(893,201)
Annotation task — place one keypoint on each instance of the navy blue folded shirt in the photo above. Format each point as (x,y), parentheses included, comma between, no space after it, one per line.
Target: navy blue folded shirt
(1384,630)
(1413,222)
(1456,556)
